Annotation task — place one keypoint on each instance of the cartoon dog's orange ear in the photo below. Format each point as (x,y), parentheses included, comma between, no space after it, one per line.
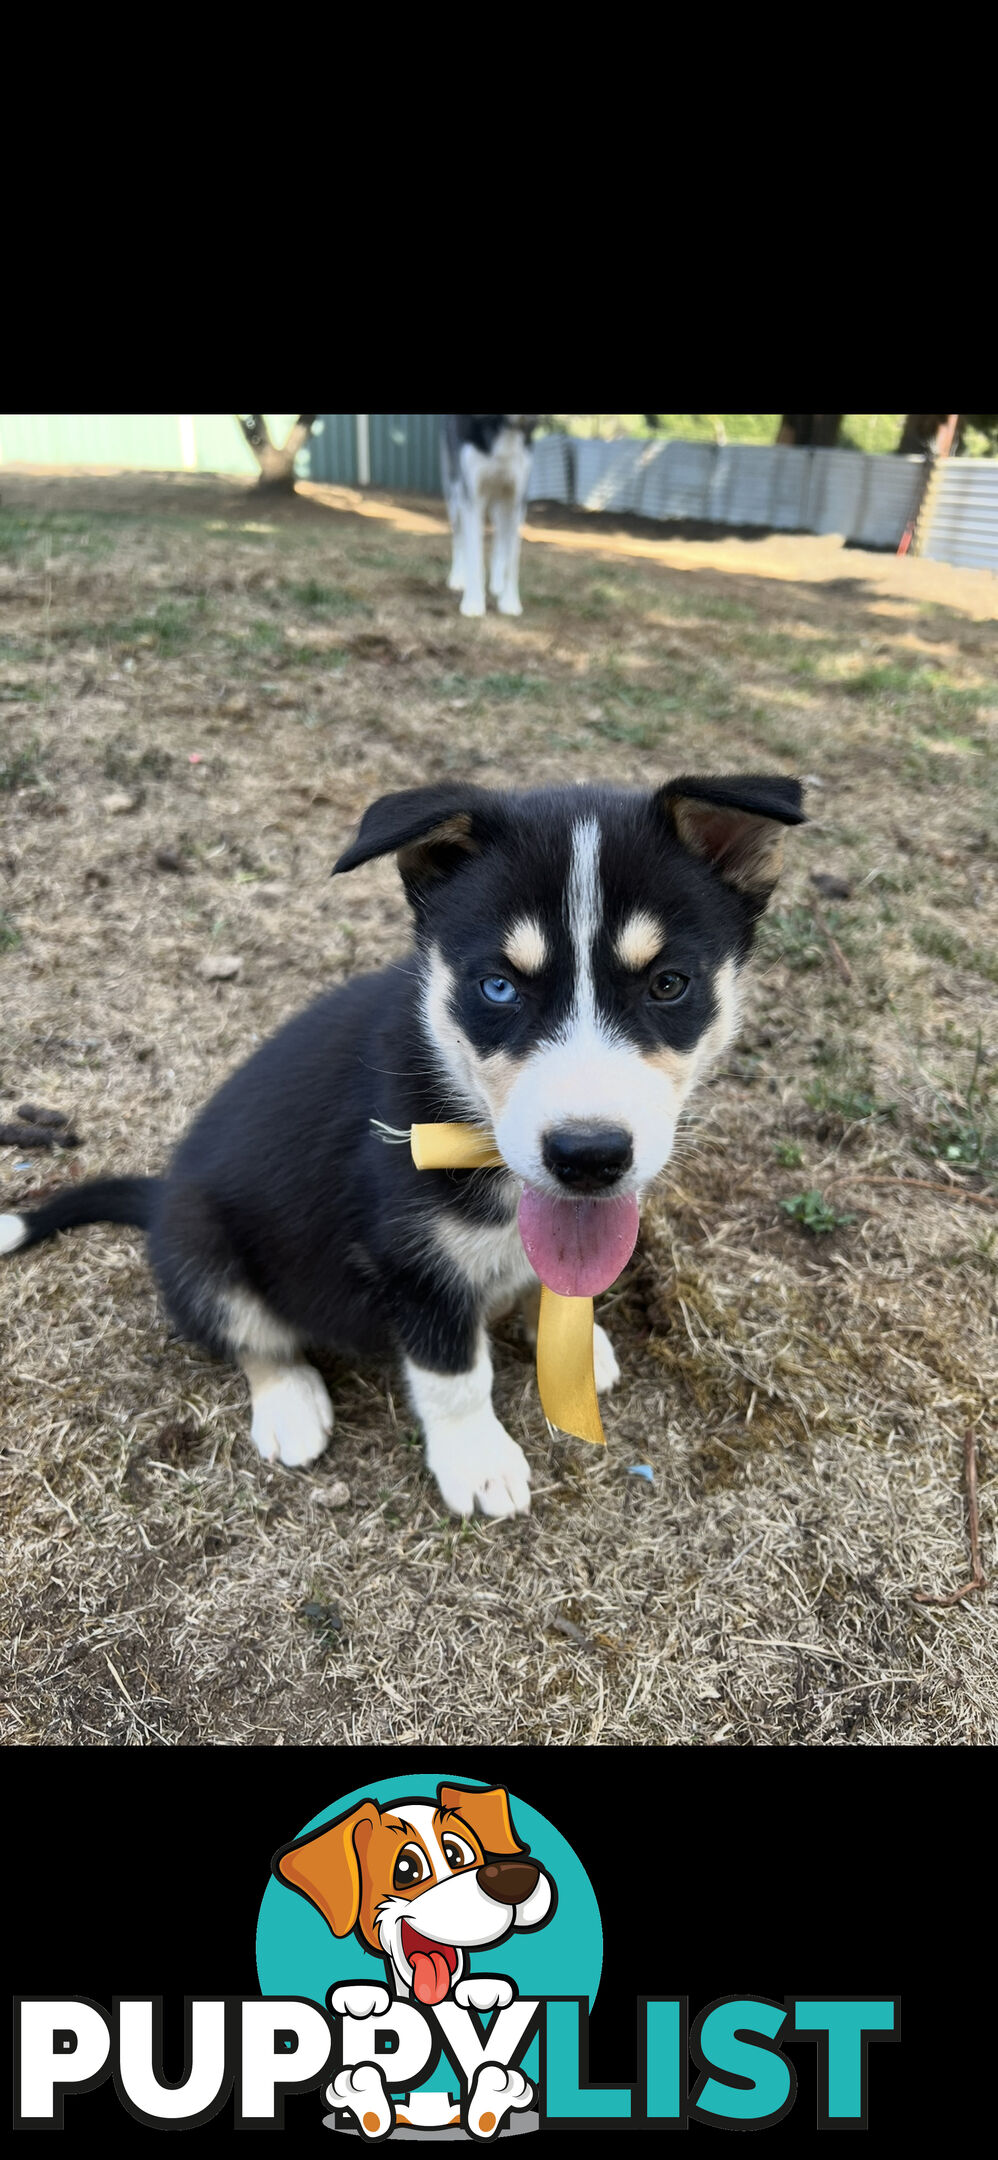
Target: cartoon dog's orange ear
(325,1865)
(487,1814)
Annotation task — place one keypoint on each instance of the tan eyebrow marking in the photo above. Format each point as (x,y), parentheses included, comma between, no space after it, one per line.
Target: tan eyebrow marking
(525,945)
(638,940)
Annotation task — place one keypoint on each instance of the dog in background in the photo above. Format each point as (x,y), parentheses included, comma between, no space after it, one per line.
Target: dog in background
(485,458)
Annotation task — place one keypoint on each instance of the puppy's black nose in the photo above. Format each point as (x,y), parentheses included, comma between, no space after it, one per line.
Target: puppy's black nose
(588,1158)
(510,1882)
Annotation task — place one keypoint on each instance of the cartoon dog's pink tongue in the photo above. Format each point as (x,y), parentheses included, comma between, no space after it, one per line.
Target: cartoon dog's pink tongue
(578,1247)
(432,1965)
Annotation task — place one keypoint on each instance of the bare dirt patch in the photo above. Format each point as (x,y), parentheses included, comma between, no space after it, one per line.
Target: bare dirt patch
(199,693)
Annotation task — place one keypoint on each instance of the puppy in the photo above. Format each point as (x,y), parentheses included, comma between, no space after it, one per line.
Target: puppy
(576,969)
(485,460)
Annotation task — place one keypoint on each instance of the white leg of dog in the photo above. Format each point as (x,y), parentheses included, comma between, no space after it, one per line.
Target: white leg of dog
(472,1457)
(606,1371)
(455,582)
(292,1413)
(497,560)
(509,598)
(494,2093)
(473,539)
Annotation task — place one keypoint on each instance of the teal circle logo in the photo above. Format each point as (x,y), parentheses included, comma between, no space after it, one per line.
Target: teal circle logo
(298,1954)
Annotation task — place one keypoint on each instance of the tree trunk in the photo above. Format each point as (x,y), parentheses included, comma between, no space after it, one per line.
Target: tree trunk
(810,431)
(277,466)
(929,434)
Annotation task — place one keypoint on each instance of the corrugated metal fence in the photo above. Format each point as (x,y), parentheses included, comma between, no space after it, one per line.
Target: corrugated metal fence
(869,499)
(959,521)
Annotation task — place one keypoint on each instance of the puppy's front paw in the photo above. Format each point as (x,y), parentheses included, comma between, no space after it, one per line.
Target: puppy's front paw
(606,1371)
(472,606)
(510,605)
(359,1999)
(292,1415)
(483,1992)
(478,1466)
(361,2092)
(494,2092)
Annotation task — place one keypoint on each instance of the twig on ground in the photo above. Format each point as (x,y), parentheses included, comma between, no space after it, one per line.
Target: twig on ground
(836,950)
(952,1597)
(918,1184)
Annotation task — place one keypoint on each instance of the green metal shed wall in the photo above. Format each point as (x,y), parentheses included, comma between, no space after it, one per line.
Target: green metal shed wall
(144,442)
(405,452)
(330,453)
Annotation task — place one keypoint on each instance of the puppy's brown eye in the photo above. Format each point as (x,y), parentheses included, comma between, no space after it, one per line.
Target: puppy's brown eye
(666,987)
(410,1867)
(456,1853)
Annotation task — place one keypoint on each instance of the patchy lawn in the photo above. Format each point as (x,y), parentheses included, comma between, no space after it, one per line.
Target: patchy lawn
(199,695)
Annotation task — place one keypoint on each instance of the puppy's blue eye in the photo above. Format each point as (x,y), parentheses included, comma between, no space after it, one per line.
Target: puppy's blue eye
(498,991)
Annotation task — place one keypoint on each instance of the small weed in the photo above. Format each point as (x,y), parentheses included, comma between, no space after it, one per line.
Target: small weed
(33,538)
(942,944)
(173,626)
(852,1105)
(333,599)
(265,636)
(969,1138)
(813,1213)
(512,686)
(19,769)
(638,732)
(789,1154)
(9,937)
(792,936)
(966,1131)
(121,764)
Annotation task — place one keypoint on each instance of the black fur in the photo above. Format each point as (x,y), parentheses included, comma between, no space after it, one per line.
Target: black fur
(481,429)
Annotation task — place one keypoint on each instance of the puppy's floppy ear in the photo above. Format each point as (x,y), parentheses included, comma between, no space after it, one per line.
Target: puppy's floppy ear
(431,829)
(325,1865)
(487,1814)
(735,823)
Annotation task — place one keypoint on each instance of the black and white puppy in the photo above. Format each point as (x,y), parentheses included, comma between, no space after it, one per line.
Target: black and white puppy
(575,970)
(485,459)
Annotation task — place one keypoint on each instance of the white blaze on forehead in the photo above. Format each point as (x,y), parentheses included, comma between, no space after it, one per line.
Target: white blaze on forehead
(638,940)
(526,946)
(584,909)
(421,1819)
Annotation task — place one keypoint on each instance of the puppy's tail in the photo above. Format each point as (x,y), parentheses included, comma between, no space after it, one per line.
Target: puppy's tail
(116,1199)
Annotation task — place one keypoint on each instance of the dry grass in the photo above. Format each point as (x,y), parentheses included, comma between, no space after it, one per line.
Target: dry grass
(800,1395)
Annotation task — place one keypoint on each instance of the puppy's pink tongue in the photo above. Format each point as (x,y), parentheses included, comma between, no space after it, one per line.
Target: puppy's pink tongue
(578,1247)
(430,1975)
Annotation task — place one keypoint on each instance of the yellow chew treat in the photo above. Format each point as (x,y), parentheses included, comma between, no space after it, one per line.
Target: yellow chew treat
(565,1378)
(453,1147)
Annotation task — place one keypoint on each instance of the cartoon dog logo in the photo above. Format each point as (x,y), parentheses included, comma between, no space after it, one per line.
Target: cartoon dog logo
(423,1885)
